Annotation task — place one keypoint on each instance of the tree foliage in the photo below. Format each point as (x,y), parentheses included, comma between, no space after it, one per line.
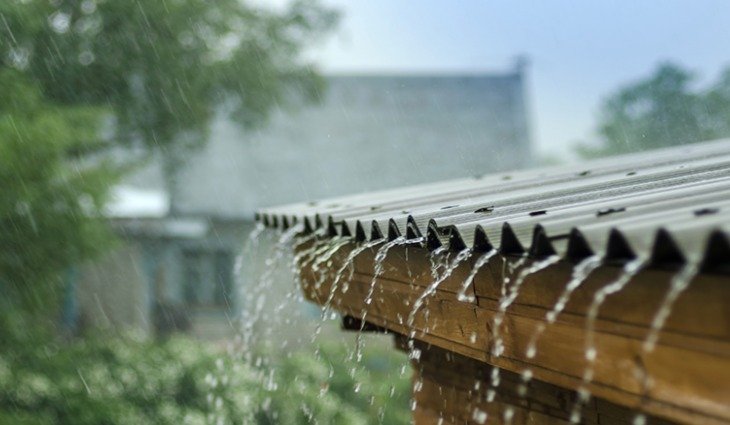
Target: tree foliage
(162,67)
(665,109)
(48,205)
(76,75)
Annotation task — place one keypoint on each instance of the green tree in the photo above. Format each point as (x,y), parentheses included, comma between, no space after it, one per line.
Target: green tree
(48,204)
(717,99)
(163,68)
(79,75)
(662,110)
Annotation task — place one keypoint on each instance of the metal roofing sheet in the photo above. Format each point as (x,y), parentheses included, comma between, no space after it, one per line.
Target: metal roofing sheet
(670,206)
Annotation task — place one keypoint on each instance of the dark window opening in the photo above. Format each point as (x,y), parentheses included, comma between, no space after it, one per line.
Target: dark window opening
(208,279)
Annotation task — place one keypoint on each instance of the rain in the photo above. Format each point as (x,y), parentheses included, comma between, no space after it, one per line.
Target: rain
(336,212)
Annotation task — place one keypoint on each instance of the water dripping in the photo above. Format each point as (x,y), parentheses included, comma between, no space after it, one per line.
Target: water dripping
(508,298)
(639,419)
(379,263)
(347,264)
(378,269)
(630,269)
(580,273)
(325,257)
(439,259)
(251,244)
(525,379)
(321,253)
(509,295)
(252,312)
(481,262)
(309,256)
(479,416)
(304,256)
(678,284)
(509,413)
(431,289)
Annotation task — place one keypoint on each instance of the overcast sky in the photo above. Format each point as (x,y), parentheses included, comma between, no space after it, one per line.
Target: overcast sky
(579,50)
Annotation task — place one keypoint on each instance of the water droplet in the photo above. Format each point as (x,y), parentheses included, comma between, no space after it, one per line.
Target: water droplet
(86,58)
(591,354)
(19,57)
(88,7)
(509,413)
(479,416)
(531,351)
(60,22)
(639,419)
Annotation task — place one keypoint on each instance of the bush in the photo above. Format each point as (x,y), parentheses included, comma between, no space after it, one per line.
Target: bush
(332,389)
(122,380)
(126,380)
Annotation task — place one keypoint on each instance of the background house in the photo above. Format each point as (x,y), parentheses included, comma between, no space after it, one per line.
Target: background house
(369,132)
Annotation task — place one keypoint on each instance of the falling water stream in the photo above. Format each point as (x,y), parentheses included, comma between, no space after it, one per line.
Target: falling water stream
(349,263)
(251,314)
(438,258)
(318,257)
(509,295)
(303,256)
(249,246)
(431,289)
(315,255)
(481,262)
(378,269)
(219,375)
(630,269)
(580,273)
(324,256)
(678,284)
(319,252)
(508,269)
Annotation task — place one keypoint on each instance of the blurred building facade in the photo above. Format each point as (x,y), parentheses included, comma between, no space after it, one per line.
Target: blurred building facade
(369,132)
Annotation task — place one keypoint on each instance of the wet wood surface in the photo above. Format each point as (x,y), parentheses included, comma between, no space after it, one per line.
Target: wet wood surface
(688,371)
(453,389)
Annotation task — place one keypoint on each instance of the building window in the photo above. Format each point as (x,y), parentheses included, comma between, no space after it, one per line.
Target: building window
(208,278)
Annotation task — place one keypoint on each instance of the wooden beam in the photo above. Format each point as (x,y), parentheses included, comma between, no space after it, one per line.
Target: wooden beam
(689,368)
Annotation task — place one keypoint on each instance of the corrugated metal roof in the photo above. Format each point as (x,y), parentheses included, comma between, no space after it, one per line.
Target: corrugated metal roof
(670,206)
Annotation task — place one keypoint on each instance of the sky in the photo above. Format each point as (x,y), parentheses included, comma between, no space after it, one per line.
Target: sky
(579,51)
